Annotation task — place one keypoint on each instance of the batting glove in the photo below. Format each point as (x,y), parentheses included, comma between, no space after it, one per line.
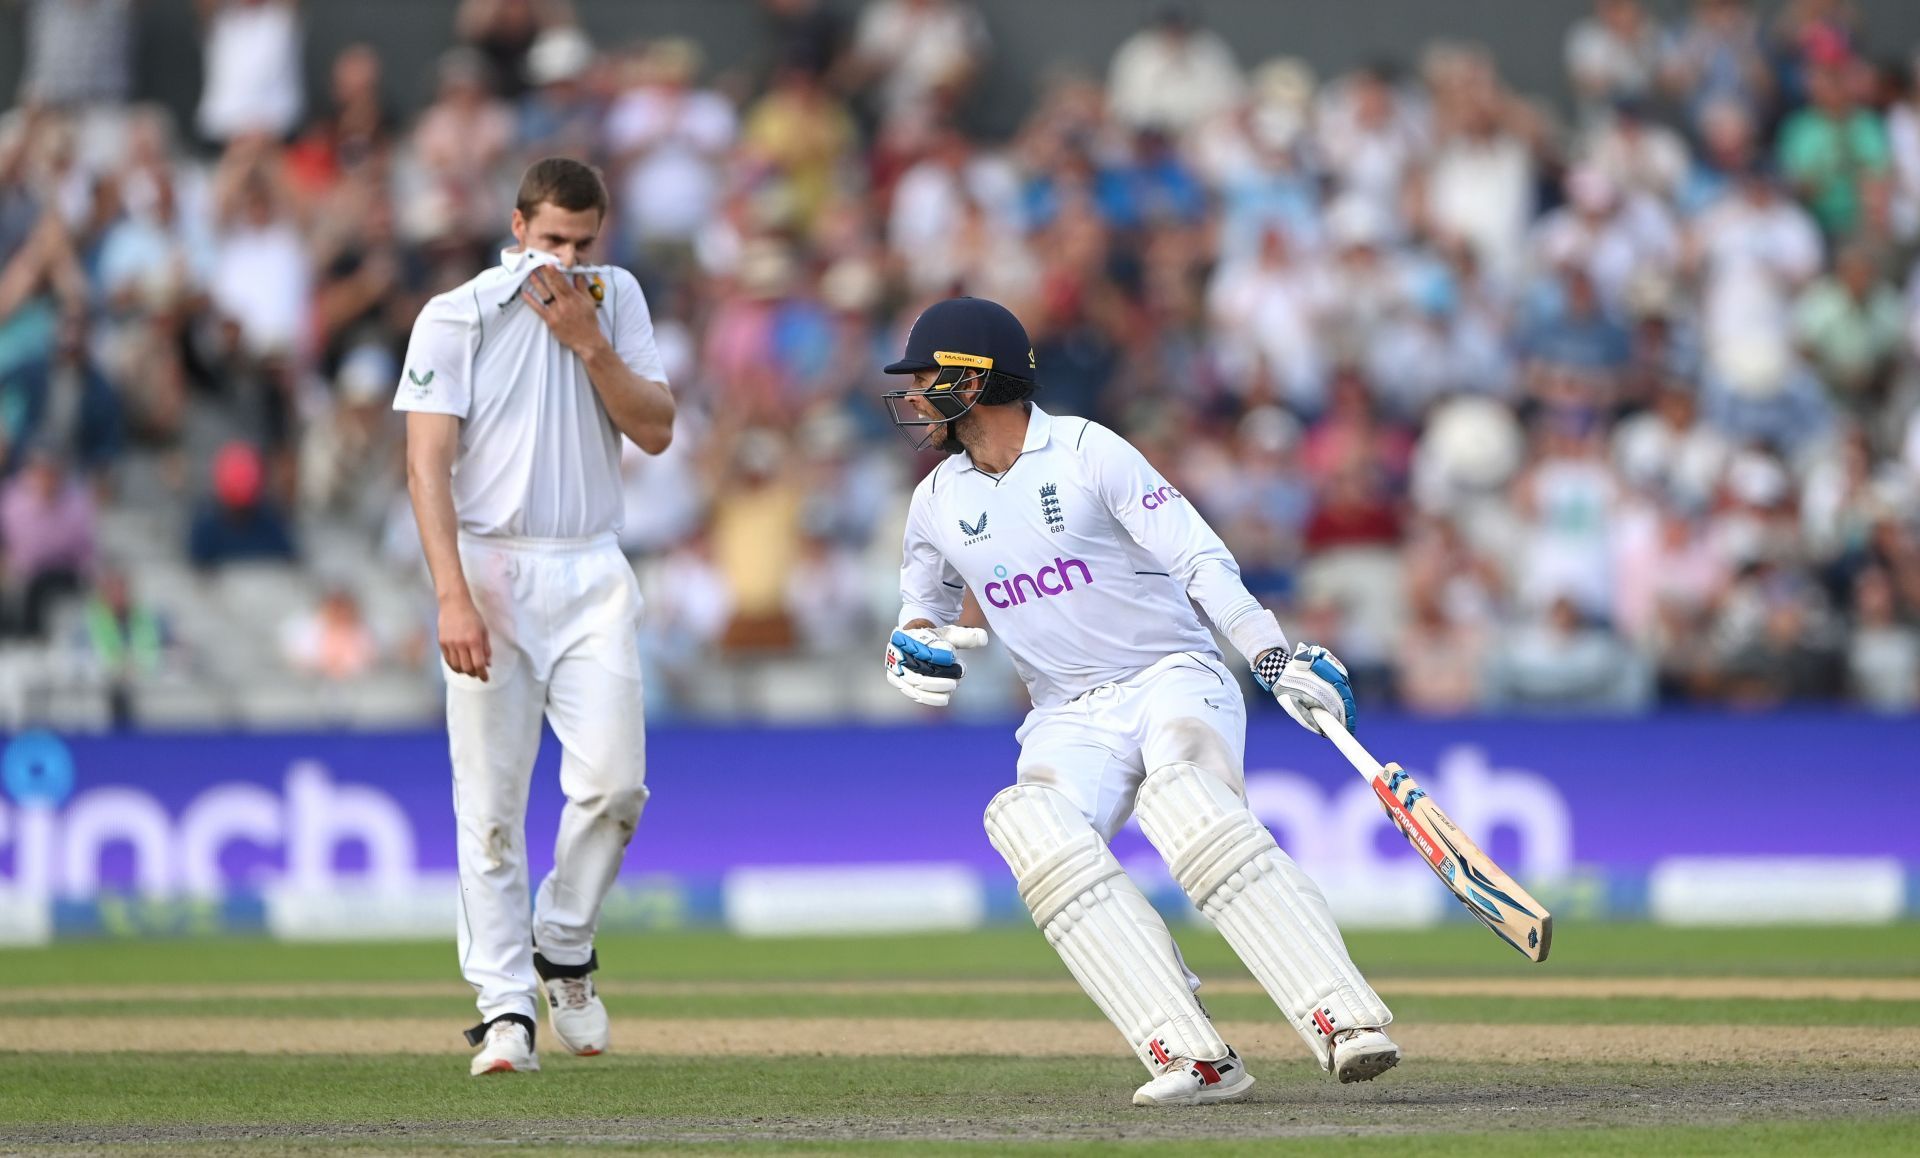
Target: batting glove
(1311,679)
(921,663)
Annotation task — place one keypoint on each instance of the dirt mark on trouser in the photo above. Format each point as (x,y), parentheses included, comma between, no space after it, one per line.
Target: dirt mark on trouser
(932,1037)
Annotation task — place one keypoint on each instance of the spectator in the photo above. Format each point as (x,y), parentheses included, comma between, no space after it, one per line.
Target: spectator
(1808,34)
(667,140)
(756,542)
(1718,55)
(1440,689)
(1613,55)
(1668,451)
(1755,250)
(1262,316)
(370,286)
(350,445)
(355,131)
(63,405)
(1569,498)
(253,81)
(504,33)
(331,641)
(804,135)
(1576,334)
(1431,348)
(1638,153)
(1372,137)
(1565,663)
(1848,325)
(1346,316)
(826,597)
(1903,142)
(461,141)
(1834,151)
(123,639)
(1777,644)
(1883,654)
(47,521)
(689,607)
(1480,184)
(1728,152)
(260,279)
(238,521)
(559,115)
(921,56)
(1611,235)
(1172,75)
(1354,510)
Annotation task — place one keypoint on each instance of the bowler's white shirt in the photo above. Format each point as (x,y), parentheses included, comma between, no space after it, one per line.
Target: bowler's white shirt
(1086,562)
(539,456)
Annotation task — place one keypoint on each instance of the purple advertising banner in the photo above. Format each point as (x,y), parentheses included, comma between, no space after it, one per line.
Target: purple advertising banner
(203,815)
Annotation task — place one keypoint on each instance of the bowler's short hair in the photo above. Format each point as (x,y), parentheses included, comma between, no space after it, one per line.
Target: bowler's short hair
(562,183)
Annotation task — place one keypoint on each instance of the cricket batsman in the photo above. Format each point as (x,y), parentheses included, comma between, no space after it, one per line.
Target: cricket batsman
(518,387)
(1089,566)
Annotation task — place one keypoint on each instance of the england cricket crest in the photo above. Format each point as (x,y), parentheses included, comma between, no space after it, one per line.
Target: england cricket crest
(1050,508)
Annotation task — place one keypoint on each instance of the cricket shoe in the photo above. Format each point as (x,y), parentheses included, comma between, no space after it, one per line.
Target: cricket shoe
(1186,1082)
(1361,1055)
(506,1046)
(578,1016)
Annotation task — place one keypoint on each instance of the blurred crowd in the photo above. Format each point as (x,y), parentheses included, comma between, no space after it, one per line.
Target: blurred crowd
(1596,406)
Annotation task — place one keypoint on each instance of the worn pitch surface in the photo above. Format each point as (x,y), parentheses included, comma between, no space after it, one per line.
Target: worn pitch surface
(1632,1040)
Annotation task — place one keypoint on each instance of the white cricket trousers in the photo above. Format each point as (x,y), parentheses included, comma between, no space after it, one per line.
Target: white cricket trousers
(563,618)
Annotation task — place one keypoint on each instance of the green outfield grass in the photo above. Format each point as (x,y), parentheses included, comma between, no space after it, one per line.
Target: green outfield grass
(1022,1006)
(1454,950)
(662,1092)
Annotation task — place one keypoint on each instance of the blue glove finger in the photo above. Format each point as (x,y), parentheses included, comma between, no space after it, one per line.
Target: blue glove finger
(941,655)
(1324,668)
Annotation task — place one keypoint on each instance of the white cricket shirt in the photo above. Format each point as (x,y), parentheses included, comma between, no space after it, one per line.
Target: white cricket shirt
(1086,562)
(539,456)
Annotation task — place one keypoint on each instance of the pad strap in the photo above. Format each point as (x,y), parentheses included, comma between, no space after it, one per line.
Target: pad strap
(478,1033)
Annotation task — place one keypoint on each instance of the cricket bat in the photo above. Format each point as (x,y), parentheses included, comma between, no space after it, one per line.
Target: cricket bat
(1482,886)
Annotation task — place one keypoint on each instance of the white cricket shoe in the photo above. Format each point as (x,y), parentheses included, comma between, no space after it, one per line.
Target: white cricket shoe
(1186,1082)
(506,1049)
(1361,1055)
(578,1015)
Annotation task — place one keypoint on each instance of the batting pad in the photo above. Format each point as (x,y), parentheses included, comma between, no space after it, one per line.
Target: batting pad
(1270,911)
(1112,940)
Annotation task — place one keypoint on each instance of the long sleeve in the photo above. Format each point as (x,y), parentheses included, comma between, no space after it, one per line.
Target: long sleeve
(929,586)
(1166,526)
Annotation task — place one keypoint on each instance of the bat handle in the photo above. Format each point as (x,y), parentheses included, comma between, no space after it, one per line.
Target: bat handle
(1356,753)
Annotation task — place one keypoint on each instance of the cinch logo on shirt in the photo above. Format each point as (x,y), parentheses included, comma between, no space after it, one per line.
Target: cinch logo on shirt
(1056,578)
(1154,500)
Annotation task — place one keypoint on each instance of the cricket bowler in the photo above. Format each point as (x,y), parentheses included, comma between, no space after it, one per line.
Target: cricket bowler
(518,387)
(1089,567)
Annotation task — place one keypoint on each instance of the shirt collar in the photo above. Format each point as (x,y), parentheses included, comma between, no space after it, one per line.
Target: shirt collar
(1039,429)
(525,261)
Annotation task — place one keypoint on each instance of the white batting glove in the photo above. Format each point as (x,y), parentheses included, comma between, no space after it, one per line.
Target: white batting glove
(921,663)
(1311,678)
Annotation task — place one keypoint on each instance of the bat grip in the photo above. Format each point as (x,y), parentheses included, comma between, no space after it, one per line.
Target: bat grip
(1357,755)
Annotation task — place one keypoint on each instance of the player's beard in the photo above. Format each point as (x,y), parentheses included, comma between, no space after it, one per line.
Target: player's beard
(954,434)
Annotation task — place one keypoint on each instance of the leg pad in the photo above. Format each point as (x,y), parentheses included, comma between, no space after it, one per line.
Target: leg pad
(1108,934)
(1270,911)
